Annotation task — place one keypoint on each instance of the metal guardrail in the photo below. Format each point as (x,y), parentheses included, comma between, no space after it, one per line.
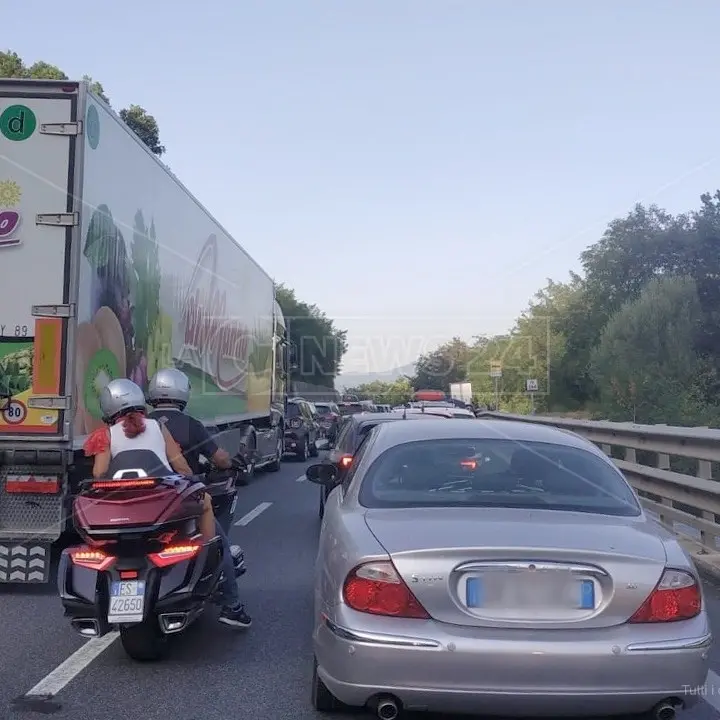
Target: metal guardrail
(671,468)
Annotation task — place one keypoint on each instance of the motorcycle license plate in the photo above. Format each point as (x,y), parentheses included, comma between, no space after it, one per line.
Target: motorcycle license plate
(127,602)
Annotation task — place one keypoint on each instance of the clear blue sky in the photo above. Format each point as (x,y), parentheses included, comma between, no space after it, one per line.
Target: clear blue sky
(415,168)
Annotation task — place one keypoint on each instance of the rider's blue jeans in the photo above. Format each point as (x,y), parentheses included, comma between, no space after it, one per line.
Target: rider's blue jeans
(229,588)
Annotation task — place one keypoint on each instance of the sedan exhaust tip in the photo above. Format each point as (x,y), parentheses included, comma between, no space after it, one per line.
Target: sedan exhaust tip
(386,707)
(665,710)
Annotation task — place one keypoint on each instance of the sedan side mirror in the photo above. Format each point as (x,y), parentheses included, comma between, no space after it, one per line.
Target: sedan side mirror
(322,474)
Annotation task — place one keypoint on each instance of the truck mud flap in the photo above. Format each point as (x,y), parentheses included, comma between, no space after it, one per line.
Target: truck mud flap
(29,524)
(24,562)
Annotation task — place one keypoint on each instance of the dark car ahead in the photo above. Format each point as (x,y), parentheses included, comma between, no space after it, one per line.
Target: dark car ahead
(329,417)
(356,406)
(301,431)
(352,431)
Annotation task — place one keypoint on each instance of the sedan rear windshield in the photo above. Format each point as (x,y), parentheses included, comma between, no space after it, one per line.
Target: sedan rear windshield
(496,473)
(324,409)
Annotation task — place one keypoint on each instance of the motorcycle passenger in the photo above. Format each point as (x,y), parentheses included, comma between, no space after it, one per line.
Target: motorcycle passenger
(169,394)
(128,429)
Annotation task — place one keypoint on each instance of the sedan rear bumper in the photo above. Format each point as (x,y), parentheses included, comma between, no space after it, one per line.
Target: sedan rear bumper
(443,668)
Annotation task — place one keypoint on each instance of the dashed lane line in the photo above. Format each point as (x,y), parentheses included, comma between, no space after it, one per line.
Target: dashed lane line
(249,517)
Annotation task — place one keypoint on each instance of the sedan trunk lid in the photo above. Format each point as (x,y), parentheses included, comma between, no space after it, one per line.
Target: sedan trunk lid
(522,568)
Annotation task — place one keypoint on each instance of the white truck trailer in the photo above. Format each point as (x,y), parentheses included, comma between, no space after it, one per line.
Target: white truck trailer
(111,268)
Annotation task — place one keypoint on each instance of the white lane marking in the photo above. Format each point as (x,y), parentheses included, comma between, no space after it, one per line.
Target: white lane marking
(300,479)
(711,691)
(68,669)
(261,508)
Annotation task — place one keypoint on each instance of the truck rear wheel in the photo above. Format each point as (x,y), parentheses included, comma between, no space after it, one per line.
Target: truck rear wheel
(144,642)
(274,466)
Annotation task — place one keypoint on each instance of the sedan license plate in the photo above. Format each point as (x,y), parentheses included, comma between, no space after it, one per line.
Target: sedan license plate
(501,592)
(127,602)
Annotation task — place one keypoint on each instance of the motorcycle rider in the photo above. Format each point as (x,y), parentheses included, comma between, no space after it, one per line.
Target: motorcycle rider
(168,395)
(130,429)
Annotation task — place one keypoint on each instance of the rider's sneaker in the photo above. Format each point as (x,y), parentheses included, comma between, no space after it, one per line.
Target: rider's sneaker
(236,553)
(237,617)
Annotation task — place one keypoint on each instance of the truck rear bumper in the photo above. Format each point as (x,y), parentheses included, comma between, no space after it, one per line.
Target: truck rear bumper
(30,523)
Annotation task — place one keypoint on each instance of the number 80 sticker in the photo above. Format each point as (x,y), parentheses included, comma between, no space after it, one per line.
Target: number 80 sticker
(14,412)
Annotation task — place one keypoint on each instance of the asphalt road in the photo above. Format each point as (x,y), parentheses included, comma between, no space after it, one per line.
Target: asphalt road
(213,672)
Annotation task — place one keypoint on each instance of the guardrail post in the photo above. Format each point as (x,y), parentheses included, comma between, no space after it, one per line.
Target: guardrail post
(607,449)
(663,463)
(630,455)
(704,471)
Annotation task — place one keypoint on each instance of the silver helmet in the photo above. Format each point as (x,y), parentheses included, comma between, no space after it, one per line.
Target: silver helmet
(169,385)
(119,397)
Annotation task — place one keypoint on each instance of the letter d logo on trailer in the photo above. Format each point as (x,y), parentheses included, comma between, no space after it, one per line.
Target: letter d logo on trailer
(17,122)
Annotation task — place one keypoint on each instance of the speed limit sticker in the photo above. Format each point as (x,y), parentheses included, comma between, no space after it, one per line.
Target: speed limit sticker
(14,412)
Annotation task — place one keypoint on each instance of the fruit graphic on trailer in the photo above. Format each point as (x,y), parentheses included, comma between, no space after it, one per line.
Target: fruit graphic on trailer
(102,368)
(10,195)
(159,352)
(101,357)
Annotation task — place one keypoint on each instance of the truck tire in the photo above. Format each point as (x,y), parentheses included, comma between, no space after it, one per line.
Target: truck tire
(144,641)
(274,466)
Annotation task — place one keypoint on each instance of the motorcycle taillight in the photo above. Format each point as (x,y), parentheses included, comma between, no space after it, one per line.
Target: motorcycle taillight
(90,558)
(174,554)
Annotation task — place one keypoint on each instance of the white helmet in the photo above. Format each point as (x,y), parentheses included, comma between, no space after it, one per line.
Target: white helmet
(169,385)
(120,397)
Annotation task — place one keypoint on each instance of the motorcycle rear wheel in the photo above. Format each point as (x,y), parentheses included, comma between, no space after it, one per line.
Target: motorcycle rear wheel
(144,641)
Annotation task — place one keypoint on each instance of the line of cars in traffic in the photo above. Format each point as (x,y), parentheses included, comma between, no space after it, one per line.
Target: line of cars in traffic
(308,422)
(495,567)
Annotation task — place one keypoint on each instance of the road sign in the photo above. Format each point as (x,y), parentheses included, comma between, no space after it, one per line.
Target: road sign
(495,369)
(531,386)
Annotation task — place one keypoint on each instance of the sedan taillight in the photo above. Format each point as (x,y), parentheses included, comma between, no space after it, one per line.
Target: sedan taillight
(377,589)
(676,597)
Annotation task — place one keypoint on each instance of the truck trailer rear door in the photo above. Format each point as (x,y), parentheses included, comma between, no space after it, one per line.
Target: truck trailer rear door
(37,219)
(38,222)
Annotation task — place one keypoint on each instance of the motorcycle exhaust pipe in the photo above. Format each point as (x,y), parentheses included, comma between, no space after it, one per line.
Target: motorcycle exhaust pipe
(664,711)
(387,707)
(173,622)
(87,627)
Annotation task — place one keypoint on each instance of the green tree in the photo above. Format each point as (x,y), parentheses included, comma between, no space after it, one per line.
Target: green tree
(320,345)
(439,368)
(144,126)
(44,71)
(646,243)
(645,365)
(11,65)
(397,392)
(137,118)
(96,88)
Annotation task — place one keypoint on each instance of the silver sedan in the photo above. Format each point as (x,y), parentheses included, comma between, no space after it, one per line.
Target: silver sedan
(499,568)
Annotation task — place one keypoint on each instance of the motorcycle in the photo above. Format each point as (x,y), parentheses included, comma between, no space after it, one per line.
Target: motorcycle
(144,568)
